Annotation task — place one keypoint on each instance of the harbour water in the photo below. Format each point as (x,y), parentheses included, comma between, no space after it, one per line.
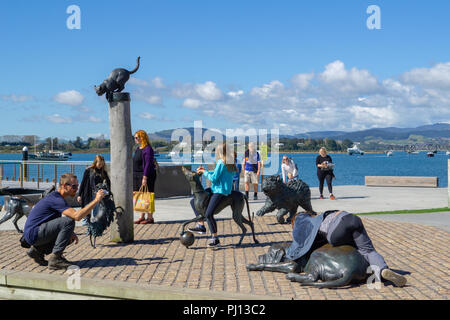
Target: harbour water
(349,170)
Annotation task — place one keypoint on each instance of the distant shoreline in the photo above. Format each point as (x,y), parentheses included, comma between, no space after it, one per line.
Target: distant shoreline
(108,151)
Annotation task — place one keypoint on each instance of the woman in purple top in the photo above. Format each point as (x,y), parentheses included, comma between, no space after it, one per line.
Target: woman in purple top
(144,172)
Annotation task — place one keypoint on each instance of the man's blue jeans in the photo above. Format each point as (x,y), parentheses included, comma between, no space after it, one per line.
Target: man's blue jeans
(54,235)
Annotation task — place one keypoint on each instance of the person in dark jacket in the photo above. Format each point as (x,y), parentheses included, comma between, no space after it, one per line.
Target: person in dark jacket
(325,166)
(144,170)
(93,175)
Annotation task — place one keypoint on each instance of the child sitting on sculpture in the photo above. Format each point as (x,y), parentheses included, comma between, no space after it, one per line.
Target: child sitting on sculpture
(222,182)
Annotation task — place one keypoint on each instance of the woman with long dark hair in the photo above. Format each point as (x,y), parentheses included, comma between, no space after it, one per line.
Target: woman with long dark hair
(144,171)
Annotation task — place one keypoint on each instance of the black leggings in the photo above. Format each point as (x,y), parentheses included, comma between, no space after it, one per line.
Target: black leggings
(214,201)
(351,231)
(325,175)
(348,229)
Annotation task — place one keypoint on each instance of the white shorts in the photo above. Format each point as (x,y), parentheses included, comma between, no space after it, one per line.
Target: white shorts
(250,176)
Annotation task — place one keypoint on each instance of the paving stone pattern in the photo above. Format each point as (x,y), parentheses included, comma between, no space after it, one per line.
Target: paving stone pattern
(158,257)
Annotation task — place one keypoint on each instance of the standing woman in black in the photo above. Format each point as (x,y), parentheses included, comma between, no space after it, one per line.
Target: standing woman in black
(93,175)
(324,172)
(144,171)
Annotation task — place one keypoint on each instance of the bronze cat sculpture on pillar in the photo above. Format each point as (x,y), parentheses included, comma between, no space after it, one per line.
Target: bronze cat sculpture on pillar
(116,81)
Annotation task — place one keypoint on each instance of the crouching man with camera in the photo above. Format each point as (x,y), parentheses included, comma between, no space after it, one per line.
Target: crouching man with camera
(50,226)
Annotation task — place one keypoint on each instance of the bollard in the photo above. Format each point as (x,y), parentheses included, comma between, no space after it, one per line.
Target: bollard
(121,174)
(25,165)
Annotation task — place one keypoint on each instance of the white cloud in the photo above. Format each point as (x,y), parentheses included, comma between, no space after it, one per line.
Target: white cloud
(437,76)
(153,99)
(235,94)
(208,91)
(71,98)
(192,103)
(17,98)
(351,81)
(338,98)
(270,90)
(158,83)
(138,82)
(302,80)
(94,119)
(147,116)
(56,118)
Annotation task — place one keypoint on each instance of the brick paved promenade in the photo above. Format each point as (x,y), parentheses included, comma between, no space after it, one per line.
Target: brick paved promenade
(157,259)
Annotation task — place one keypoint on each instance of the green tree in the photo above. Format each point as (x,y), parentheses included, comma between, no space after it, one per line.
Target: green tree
(78,143)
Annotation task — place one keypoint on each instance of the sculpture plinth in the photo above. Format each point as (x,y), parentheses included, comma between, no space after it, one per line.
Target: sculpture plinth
(121,175)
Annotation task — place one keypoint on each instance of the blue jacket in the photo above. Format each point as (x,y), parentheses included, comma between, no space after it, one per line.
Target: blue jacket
(221,178)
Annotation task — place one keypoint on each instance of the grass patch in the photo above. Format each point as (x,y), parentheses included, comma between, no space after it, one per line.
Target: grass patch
(406,211)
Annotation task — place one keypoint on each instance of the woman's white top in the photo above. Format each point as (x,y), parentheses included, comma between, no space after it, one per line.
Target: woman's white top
(288,168)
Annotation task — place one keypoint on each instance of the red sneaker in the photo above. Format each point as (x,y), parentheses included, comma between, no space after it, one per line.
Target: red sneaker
(138,221)
(148,221)
(332,197)
(321,197)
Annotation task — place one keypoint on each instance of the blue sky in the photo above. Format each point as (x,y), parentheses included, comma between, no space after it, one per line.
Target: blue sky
(293,65)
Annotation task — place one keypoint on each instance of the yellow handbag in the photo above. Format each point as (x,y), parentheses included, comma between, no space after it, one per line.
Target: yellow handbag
(144,201)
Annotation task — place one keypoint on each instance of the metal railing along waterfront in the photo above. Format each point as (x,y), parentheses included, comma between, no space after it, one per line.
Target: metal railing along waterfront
(39,171)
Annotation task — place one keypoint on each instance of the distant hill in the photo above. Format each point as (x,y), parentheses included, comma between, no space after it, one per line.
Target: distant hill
(438,130)
(166,135)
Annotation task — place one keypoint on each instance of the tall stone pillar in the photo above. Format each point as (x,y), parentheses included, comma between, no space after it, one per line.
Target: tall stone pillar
(121,174)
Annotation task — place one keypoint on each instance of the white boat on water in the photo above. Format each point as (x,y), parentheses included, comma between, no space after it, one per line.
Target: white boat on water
(390,153)
(49,156)
(354,150)
(447,153)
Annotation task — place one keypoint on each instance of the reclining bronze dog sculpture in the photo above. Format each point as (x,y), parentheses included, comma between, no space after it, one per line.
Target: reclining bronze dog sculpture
(237,200)
(334,266)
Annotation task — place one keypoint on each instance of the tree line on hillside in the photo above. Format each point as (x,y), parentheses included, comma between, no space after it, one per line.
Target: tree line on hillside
(285,144)
(294,144)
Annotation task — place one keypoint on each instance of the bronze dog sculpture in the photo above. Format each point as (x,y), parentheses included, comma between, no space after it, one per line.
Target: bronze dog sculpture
(19,206)
(115,81)
(105,215)
(334,266)
(237,201)
(285,197)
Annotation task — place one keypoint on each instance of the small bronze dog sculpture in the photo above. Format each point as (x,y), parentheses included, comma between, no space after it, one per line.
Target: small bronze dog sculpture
(334,266)
(285,197)
(116,81)
(237,201)
(20,206)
